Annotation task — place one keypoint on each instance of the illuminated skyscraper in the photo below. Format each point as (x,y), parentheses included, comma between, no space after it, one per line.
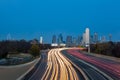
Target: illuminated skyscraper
(87,36)
(41,40)
(9,37)
(84,39)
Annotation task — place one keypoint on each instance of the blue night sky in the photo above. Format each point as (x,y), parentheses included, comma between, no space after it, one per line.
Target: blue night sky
(29,19)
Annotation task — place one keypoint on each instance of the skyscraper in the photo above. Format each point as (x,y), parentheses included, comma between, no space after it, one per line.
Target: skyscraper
(60,39)
(79,40)
(9,37)
(91,39)
(110,37)
(74,41)
(41,40)
(95,37)
(84,39)
(87,36)
(54,39)
(103,39)
(69,41)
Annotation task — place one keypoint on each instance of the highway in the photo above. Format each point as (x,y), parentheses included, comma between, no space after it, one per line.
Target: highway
(107,66)
(92,72)
(69,64)
(59,68)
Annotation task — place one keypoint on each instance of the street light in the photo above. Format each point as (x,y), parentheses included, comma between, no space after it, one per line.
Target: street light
(88,46)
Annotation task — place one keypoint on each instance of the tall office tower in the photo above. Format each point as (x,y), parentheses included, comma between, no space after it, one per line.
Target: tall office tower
(100,39)
(95,37)
(87,38)
(60,39)
(9,37)
(74,41)
(69,41)
(110,37)
(54,39)
(41,40)
(84,39)
(91,39)
(79,40)
(103,39)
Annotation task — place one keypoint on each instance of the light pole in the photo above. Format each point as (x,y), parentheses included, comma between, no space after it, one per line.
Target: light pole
(89,48)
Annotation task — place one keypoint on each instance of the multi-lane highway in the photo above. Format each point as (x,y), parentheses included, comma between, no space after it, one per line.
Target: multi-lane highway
(108,66)
(91,72)
(64,64)
(59,68)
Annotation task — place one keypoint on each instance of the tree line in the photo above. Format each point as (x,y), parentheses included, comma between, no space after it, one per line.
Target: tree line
(21,46)
(107,48)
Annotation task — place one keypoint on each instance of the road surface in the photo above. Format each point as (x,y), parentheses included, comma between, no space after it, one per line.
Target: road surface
(71,64)
(59,68)
(91,72)
(37,72)
(110,67)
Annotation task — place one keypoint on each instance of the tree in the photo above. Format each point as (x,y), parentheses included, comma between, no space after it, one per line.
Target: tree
(35,51)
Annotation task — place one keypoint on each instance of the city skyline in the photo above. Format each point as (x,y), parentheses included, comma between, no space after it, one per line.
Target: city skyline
(81,40)
(95,36)
(30,19)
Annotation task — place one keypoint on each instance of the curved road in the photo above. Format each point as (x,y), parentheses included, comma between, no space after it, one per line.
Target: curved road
(106,66)
(91,72)
(59,64)
(59,68)
(37,72)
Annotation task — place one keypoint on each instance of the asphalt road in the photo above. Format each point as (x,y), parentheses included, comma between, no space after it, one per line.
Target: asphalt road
(109,67)
(62,64)
(37,72)
(91,72)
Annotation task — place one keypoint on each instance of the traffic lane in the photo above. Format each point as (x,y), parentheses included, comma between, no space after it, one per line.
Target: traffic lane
(72,75)
(93,74)
(37,72)
(59,68)
(109,68)
(106,60)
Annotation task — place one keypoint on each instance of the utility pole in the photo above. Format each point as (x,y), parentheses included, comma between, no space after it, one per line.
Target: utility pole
(89,48)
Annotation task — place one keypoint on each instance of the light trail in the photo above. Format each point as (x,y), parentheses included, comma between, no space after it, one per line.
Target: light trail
(59,68)
(113,68)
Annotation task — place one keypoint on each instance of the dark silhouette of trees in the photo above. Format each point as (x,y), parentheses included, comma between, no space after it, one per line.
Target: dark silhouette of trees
(35,50)
(13,47)
(23,46)
(108,48)
(116,50)
(20,46)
